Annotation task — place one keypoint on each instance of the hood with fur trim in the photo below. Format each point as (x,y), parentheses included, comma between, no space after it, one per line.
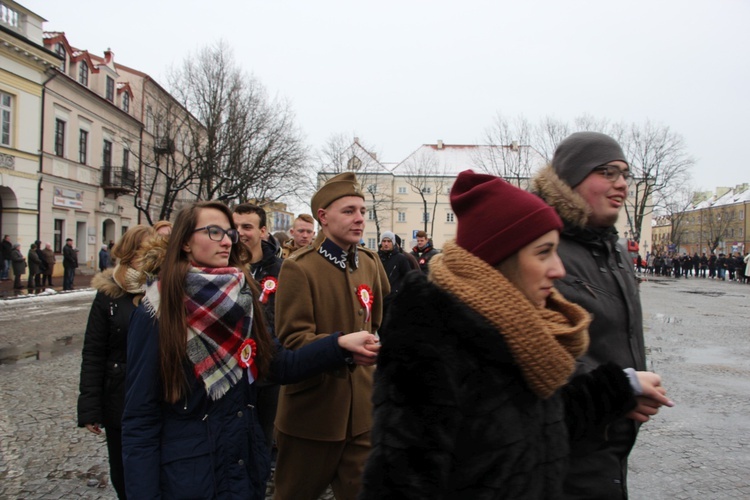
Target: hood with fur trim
(104,282)
(570,206)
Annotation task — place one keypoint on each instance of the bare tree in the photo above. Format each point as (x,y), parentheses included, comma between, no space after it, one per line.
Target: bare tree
(658,163)
(244,144)
(716,223)
(676,205)
(424,177)
(342,153)
(508,153)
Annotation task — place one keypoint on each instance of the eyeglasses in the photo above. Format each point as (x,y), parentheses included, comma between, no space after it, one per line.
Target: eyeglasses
(612,173)
(216,233)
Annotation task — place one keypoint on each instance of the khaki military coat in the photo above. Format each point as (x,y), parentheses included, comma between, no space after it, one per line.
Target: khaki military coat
(316,299)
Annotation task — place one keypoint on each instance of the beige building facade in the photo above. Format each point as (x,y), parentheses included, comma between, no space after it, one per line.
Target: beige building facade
(25,64)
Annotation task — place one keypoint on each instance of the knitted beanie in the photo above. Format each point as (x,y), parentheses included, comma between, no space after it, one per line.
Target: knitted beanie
(580,153)
(336,187)
(389,235)
(496,219)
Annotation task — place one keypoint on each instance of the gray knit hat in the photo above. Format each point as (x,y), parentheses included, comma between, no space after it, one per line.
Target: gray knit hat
(580,153)
(389,235)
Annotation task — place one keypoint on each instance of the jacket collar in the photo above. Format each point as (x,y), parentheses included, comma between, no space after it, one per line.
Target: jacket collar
(335,255)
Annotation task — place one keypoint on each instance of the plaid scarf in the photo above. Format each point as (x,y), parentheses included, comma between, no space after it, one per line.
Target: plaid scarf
(219,309)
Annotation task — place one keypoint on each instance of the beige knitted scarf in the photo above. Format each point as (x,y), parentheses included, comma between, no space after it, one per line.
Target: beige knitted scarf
(129,279)
(543,341)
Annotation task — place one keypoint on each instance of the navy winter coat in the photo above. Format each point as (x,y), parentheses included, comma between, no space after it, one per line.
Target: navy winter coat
(199,448)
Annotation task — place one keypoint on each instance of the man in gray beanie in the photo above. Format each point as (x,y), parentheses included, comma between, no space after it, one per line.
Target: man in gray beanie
(395,263)
(587,184)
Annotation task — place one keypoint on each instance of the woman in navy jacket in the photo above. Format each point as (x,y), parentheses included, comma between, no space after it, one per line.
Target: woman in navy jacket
(196,345)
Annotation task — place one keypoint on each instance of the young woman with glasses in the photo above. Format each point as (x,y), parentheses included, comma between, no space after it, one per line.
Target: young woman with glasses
(196,346)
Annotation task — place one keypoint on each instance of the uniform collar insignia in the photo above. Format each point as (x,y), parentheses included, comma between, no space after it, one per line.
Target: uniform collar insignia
(337,256)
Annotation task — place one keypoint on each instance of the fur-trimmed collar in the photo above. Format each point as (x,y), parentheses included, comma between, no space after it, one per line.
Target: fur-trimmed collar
(570,206)
(104,282)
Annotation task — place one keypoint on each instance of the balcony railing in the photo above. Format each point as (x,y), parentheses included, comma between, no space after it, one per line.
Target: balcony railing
(118,179)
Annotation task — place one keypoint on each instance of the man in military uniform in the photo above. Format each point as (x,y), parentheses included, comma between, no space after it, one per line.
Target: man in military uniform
(323,423)
(302,232)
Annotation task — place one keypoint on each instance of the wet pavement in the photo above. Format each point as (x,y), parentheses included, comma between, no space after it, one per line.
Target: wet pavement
(697,332)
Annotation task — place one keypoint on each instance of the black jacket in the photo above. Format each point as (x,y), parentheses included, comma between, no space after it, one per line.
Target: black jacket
(453,416)
(600,278)
(269,265)
(423,255)
(396,266)
(7,248)
(102,385)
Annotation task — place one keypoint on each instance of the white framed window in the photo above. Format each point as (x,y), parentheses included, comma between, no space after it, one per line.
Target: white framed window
(402,190)
(402,217)
(126,102)
(372,244)
(371,214)
(6,118)
(59,137)
(425,216)
(372,188)
(60,51)
(427,190)
(450,217)
(83,146)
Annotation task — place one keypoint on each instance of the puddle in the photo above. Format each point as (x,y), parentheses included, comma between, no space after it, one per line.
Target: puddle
(704,292)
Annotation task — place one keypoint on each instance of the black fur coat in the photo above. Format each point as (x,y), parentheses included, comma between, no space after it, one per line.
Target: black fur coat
(453,417)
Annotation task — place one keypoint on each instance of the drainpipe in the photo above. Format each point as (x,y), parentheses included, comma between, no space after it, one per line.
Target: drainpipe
(41,157)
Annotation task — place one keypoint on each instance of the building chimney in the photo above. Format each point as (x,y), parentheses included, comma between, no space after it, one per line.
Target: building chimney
(108,56)
(440,144)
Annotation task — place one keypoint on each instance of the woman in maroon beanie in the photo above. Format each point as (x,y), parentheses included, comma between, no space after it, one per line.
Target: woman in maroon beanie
(472,392)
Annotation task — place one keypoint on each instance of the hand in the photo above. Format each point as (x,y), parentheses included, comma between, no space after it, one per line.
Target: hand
(653,397)
(363,345)
(95,428)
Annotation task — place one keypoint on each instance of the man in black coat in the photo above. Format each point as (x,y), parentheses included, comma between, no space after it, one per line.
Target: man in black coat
(395,263)
(265,266)
(7,251)
(424,251)
(70,262)
(587,184)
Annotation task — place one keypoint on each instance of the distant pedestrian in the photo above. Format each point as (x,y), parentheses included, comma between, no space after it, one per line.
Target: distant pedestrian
(35,265)
(424,250)
(19,265)
(103,258)
(70,263)
(7,260)
(49,260)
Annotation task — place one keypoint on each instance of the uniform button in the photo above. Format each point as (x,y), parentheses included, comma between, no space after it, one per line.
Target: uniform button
(360,312)
(241,462)
(239,414)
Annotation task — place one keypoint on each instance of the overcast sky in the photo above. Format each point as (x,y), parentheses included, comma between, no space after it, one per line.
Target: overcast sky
(403,73)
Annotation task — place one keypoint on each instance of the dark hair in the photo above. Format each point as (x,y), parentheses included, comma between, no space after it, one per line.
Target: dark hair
(421,234)
(249,208)
(172,316)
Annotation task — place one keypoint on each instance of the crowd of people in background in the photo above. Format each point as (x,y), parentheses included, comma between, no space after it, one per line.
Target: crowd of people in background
(725,267)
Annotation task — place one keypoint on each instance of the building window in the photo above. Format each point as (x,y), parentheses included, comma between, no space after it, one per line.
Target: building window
(59,137)
(450,217)
(110,89)
(354,163)
(6,115)
(107,154)
(149,120)
(372,244)
(425,216)
(742,215)
(371,214)
(427,190)
(402,216)
(58,232)
(60,51)
(9,16)
(402,190)
(83,146)
(83,74)
(126,102)
(125,159)
(372,188)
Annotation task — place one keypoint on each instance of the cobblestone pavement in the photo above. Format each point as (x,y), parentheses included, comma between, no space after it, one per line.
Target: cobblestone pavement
(697,332)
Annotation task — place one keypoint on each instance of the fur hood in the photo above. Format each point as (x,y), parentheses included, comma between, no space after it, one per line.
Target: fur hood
(104,282)
(570,206)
